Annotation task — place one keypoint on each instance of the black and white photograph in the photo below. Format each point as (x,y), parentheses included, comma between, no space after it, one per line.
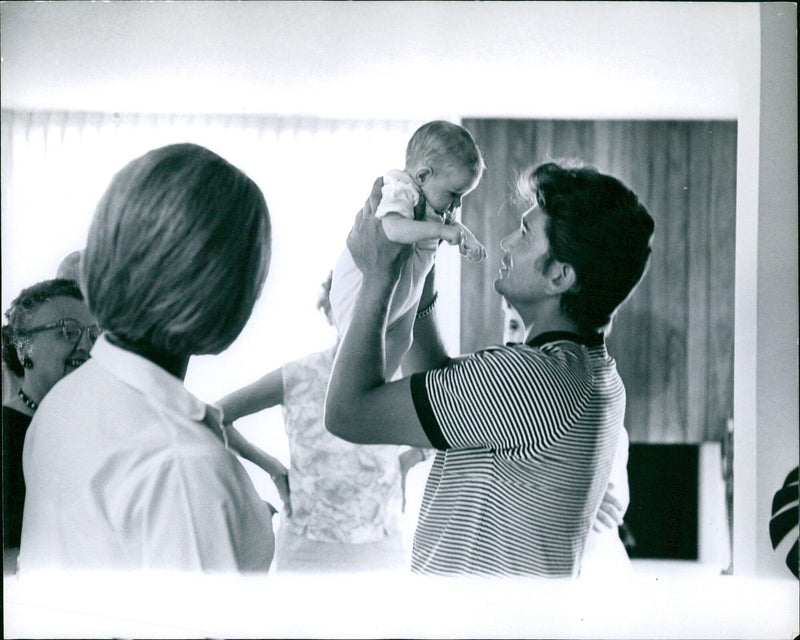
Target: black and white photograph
(459,319)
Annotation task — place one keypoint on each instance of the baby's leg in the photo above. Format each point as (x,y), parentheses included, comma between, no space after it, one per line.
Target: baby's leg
(345,285)
(398,341)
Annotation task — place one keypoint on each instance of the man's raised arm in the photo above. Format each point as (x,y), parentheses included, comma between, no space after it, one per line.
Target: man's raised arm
(360,405)
(427,348)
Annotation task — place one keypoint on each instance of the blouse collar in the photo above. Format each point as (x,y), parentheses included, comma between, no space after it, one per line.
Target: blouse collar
(151,380)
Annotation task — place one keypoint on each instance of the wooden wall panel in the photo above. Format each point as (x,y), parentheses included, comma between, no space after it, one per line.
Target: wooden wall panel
(673,340)
(477,297)
(675,256)
(697,327)
(722,251)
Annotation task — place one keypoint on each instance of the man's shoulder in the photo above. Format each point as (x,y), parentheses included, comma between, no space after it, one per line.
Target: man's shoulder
(561,355)
(556,368)
(521,354)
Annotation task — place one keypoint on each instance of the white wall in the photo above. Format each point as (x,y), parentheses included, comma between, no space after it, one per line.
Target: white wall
(410,60)
(765,358)
(777,334)
(385,59)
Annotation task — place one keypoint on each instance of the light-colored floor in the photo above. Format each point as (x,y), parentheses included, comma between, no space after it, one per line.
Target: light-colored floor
(654,599)
(659,600)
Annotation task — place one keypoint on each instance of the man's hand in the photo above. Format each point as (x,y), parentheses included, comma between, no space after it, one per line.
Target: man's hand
(373,253)
(610,513)
(407,460)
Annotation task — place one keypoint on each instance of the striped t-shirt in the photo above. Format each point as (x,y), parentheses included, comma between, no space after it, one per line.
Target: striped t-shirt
(527,435)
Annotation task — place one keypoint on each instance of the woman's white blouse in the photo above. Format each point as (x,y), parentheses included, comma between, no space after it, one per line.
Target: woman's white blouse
(126,470)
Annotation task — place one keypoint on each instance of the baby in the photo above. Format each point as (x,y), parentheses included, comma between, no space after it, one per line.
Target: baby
(443,164)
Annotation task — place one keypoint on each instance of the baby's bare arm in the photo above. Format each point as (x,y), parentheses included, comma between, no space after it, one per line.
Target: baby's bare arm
(400,229)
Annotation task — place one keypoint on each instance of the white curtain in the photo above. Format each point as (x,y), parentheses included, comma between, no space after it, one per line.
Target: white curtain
(315,175)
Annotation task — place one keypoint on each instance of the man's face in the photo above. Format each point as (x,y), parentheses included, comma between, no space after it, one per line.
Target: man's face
(445,187)
(522,274)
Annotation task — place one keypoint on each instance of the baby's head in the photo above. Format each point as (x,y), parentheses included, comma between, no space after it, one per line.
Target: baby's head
(513,325)
(445,163)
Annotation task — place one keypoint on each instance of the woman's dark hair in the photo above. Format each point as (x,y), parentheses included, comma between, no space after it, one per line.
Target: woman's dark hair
(20,311)
(598,226)
(178,251)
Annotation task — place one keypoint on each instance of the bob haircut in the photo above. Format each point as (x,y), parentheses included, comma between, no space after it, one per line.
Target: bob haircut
(19,314)
(598,226)
(440,144)
(177,252)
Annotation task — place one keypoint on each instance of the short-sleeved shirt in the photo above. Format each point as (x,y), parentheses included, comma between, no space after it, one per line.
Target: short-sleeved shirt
(400,194)
(527,436)
(126,470)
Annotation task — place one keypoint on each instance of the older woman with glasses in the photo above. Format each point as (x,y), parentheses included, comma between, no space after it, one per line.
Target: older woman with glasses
(50,332)
(125,469)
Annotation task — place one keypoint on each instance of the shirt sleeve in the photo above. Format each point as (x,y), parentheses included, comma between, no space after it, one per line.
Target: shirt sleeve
(501,398)
(398,195)
(203,513)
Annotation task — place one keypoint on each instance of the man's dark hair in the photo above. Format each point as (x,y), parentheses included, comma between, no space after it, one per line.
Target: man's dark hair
(598,226)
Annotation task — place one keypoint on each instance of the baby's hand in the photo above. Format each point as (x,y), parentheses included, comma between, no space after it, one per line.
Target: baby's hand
(469,246)
(451,233)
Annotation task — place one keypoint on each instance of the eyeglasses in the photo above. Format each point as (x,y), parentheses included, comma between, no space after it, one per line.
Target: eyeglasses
(71,330)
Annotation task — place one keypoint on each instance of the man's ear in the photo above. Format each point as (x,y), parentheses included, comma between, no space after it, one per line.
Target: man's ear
(423,174)
(561,277)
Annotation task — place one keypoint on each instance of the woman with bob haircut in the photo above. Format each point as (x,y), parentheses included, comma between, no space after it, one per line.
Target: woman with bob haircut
(125,469)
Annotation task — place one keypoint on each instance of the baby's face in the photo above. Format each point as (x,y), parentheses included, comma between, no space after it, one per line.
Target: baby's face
(513,326)
(447,186)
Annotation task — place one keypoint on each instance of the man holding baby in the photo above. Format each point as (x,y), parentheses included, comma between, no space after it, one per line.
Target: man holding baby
(525,434)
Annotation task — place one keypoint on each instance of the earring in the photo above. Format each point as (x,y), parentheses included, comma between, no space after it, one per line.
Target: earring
(27,362)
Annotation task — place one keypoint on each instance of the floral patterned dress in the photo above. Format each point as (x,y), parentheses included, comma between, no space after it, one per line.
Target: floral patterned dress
(341,492)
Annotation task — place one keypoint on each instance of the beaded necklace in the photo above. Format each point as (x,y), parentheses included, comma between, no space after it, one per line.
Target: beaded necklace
(33,406)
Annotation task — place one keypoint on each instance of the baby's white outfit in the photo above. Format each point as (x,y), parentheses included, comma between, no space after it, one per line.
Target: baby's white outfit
(399,194)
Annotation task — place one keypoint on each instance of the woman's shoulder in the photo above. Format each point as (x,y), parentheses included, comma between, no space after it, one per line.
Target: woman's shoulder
(80,390)
(311,367)
(14,422)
